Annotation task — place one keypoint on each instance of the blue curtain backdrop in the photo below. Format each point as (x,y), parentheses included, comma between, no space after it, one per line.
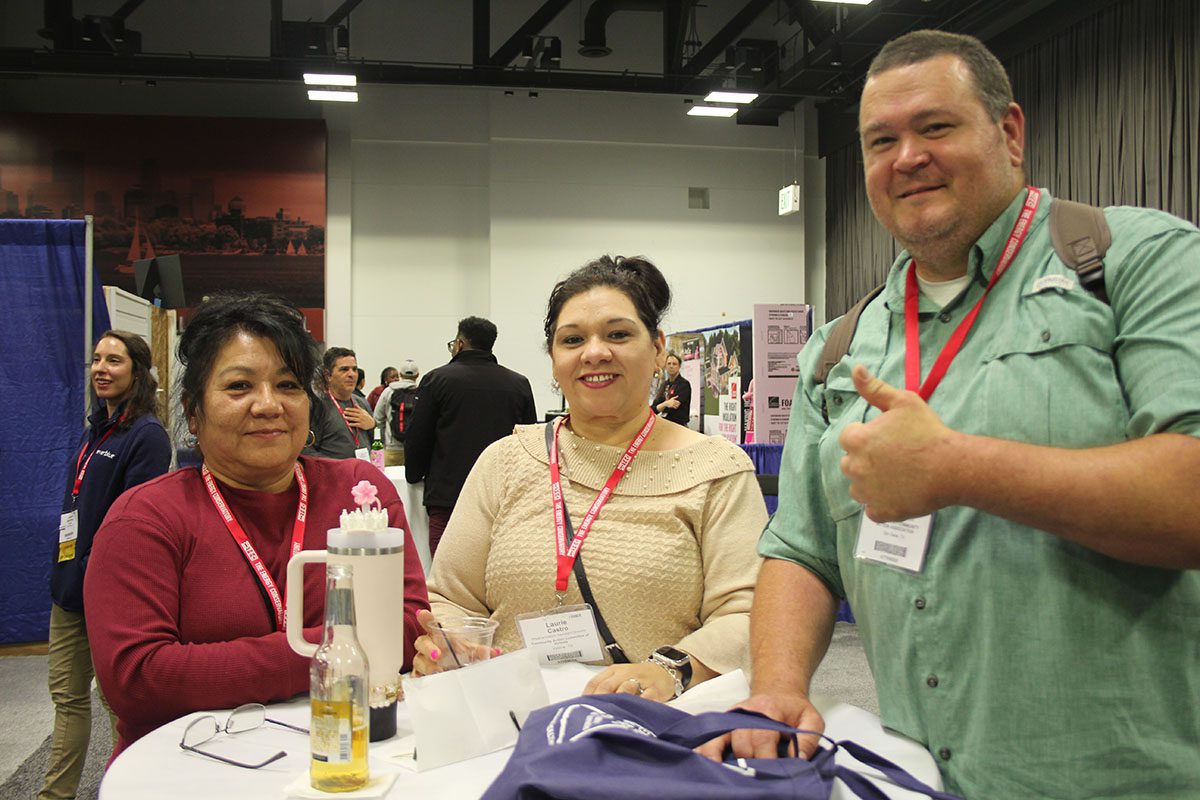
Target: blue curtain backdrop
(41,405)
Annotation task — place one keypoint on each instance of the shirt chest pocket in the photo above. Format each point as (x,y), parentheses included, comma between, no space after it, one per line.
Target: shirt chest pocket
(1049,376)
(844,406)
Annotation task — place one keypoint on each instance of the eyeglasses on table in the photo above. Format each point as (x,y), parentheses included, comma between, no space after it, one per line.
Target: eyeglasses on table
(244,718)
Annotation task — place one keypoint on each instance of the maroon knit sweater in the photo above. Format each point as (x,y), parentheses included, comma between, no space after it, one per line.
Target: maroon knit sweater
(176,618)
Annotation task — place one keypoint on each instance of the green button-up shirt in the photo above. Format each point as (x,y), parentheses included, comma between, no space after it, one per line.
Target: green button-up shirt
(1030,666)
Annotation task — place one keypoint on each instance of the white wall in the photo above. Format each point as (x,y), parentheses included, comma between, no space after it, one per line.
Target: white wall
(445,202)
(476,202)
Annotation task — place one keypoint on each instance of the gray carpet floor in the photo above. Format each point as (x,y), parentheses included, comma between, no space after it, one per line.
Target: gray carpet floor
(26,720)
(27,716)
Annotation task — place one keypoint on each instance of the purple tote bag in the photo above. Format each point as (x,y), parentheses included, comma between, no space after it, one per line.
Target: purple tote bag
(601,747)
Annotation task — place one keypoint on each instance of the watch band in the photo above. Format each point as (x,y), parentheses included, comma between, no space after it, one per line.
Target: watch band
(679,669)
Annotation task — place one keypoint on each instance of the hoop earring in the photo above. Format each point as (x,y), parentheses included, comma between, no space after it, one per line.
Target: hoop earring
(311,440)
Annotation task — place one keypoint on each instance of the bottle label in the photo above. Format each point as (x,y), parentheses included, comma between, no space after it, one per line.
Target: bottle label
(331,740)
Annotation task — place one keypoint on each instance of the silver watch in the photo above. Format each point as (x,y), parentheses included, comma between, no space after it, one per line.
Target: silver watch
(677,663)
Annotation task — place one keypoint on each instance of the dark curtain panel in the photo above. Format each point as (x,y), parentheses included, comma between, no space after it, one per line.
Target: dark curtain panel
(1113,118)
(858,250)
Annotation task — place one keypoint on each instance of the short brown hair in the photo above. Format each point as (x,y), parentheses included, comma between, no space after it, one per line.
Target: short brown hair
(991,81)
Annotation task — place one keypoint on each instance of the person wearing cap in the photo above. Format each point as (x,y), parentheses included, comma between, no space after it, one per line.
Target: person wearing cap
(405,381)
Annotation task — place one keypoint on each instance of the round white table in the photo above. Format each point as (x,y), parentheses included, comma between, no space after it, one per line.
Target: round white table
(155,767)
(413,497)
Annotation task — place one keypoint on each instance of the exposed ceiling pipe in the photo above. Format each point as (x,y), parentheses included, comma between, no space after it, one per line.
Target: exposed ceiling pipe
(595,42)
(127,8)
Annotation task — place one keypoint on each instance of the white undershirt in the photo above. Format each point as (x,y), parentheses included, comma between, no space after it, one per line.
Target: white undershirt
(942,292)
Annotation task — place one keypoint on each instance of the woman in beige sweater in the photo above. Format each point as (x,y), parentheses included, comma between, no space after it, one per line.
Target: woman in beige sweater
(671,558)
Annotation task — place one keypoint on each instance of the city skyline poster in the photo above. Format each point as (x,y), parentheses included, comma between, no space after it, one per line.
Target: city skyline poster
(242,201)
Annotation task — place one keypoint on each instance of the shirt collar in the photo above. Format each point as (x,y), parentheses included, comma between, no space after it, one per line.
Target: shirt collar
(474,355)
(983,256)
(100,421)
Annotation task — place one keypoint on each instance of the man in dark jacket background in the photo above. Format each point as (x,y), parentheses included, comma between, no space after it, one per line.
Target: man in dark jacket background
(461,408)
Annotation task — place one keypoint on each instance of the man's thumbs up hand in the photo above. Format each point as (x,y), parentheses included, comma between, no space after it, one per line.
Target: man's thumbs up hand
(898,462)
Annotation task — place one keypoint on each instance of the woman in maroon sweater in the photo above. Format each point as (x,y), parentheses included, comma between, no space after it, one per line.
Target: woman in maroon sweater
(178,617)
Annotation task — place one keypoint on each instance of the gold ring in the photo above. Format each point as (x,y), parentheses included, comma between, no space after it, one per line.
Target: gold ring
(640,689)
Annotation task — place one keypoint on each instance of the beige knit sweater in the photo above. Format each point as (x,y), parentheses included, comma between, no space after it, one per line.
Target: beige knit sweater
(671,559)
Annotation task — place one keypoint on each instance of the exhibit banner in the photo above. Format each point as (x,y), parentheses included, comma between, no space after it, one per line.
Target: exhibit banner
(780,332)
(730,425)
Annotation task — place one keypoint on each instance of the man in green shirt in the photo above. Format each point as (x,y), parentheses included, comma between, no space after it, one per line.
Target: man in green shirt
(1035,620)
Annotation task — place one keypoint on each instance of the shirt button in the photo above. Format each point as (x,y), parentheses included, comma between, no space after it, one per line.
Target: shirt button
(837,400)
(932,681)
(944,316)
(919,603)
(1045,336)
(944,754)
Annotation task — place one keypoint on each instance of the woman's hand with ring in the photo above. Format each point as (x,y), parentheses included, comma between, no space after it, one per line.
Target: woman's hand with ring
(647,680)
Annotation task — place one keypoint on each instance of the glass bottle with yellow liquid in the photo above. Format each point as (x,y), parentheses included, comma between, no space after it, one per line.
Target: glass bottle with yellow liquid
(338,688)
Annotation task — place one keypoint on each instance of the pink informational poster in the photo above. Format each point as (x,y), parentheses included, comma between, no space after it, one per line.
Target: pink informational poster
(730,405)
(780,332)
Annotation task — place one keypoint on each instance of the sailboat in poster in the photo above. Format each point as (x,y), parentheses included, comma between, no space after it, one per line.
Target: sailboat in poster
(139,248)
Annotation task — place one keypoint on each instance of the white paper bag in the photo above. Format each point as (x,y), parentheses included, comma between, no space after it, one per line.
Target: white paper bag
(467,712)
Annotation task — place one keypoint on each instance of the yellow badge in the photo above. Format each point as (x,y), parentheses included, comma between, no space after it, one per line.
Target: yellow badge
(66,551)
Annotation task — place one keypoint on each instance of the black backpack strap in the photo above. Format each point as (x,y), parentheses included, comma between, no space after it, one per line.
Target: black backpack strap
(1081,237)
(610,642)
(837,344)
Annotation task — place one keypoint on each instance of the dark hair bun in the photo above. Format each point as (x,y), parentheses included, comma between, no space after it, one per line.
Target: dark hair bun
(658,292)
(635,276)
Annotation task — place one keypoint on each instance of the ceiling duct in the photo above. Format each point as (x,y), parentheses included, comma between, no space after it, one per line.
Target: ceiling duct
(595,41)
(92,33)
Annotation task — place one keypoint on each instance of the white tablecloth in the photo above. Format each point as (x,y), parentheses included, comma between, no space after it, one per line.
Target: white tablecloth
(154,767)
(413,496)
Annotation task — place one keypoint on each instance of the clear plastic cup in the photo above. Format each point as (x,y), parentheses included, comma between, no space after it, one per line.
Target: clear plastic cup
(464,640)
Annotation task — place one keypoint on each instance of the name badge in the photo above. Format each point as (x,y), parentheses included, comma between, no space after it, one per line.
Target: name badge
(567,633)
(363,453)
(68,532)
(901,545)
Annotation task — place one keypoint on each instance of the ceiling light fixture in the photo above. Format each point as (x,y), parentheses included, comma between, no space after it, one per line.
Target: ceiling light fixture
(329,94)
(846,2)
(711,111)
(324,79)
(730,97)
(836,58)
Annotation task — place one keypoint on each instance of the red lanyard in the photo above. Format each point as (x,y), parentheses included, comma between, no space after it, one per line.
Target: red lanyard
(912,334)
(243,542)
(81,470)
(567,554)
(352,428)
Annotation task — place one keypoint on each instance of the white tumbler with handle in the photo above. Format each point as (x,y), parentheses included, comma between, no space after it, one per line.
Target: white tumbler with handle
(377,557)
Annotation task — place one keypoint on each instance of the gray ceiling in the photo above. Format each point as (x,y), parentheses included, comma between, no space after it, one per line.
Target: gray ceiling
(786,50)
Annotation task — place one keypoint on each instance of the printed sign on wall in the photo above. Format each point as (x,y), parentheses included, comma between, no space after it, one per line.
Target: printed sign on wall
(780,332)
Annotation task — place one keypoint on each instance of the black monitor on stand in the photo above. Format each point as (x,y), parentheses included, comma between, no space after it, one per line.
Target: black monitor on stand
(160,280)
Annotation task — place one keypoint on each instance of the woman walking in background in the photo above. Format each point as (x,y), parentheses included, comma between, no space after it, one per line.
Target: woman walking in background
(124,445)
